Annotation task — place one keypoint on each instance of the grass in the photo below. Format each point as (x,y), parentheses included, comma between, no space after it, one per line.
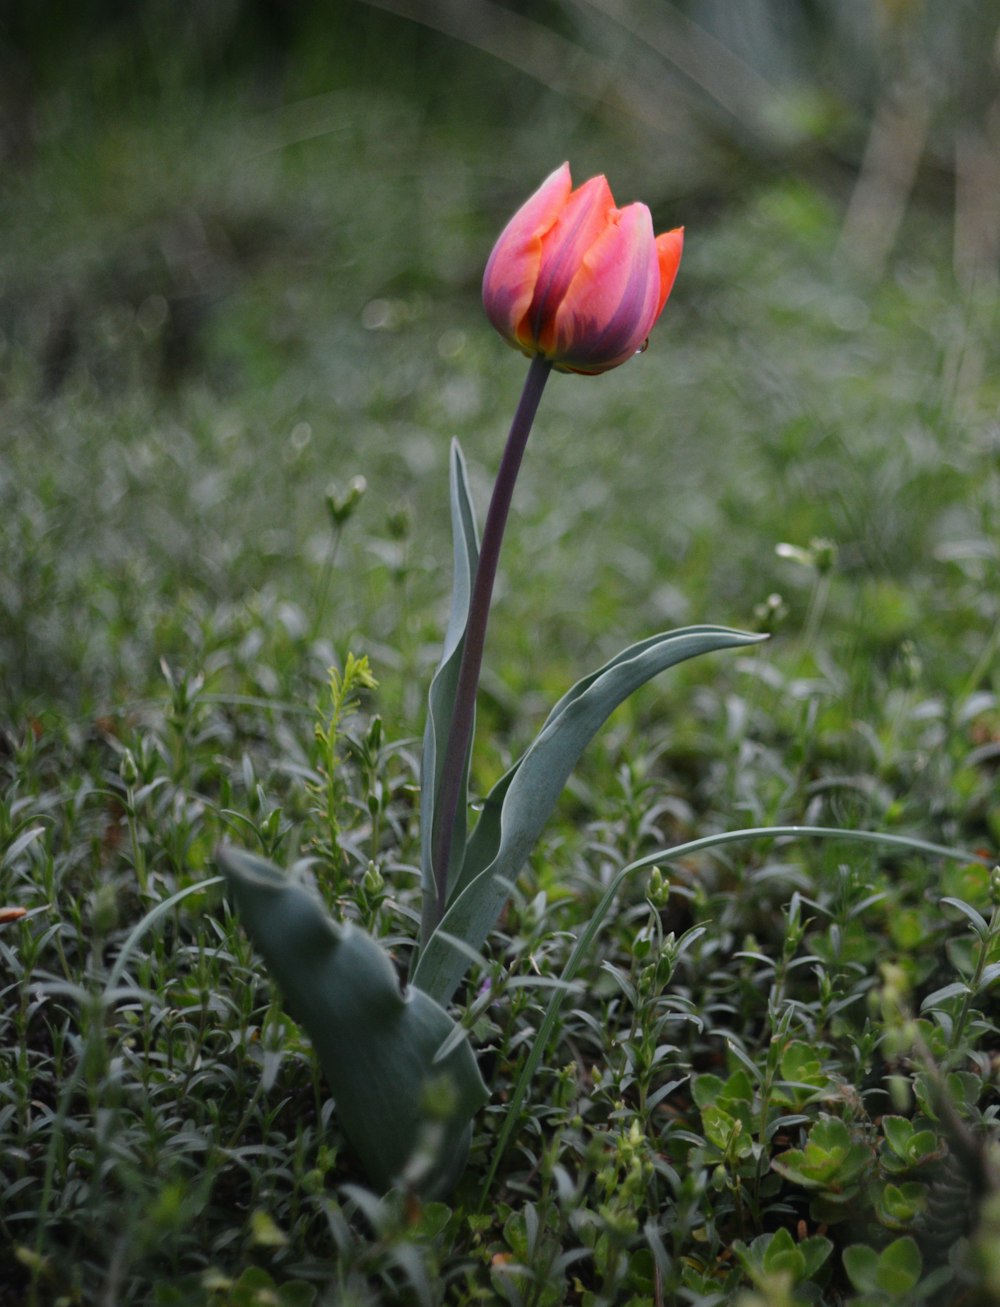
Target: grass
(774,1080)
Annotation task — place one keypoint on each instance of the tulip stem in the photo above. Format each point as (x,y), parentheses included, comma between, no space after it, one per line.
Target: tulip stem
(463,716)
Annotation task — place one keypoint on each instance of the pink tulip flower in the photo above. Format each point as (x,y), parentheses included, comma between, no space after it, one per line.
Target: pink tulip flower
(577,281)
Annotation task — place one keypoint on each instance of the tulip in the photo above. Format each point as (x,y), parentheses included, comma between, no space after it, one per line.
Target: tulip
(576,284)
(577,281)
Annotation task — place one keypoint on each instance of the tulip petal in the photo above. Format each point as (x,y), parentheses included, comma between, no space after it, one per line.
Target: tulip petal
(512,271)
(583,220)
(668,250)
(611,304)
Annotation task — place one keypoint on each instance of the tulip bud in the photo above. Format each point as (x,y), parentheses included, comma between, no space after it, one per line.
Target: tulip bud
(576,280)
(127,769)
(373,881)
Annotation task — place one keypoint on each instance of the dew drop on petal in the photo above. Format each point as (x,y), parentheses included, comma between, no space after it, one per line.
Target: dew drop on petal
(643,347)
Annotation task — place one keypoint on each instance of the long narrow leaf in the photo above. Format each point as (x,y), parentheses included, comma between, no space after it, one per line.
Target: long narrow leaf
(441,696)
(522,801)
(395,1095)
(485,841)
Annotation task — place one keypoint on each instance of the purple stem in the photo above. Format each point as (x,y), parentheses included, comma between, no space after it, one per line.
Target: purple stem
(463,716)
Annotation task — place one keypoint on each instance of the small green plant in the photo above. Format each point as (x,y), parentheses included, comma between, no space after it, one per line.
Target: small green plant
(327,790)
(833,1163)
(908,1144)
(777,1263)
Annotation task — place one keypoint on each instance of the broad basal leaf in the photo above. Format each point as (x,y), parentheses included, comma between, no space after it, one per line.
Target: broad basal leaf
(403,1100)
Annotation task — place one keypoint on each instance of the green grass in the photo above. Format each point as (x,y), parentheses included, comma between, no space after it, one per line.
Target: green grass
(201,334)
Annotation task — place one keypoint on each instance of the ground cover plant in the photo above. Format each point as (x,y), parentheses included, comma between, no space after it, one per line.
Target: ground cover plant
(773,1078)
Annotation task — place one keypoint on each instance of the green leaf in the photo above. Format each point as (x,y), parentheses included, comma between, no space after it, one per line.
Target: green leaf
(899,1267)
(898,1206)
(265,1232)
(800,1062)
(977,920)
(521,802)
(925,1147)
(781,1254)
(441,696)
(734,1096)
(778,1253)
(725,1132)
(739,1087)
(803,1079)
(815,1249)
(893,1272)
(830,1161)
(911,1145)
(956,989)
(898,1131)
(861,1264)
(400,1104)
(253,1289)
(707,1089)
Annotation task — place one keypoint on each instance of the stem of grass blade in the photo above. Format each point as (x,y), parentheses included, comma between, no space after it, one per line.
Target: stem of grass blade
(340,508)
(463,717)
(323,589)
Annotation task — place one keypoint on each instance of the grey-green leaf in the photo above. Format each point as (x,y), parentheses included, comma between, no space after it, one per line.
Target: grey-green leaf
(441,696)
(402,1107)
(521,802)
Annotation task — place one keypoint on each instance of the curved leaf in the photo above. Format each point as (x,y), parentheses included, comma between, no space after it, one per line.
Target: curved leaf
(522,800)
(403,1101)
(441,696)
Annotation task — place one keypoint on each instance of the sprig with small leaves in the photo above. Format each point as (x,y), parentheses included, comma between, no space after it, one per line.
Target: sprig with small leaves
(327,791)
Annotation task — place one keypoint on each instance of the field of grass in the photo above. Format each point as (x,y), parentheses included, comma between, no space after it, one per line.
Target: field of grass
(775,1077)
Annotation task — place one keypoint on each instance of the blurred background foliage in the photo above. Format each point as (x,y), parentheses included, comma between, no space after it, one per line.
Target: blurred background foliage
(886,106)
(723,91)
(242,244)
